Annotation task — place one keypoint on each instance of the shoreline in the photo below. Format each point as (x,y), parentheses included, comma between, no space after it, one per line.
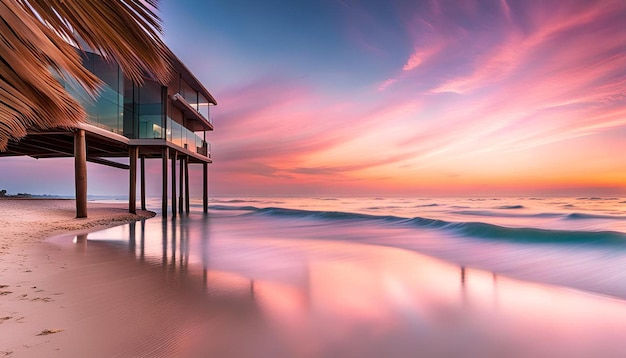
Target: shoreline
(28,303)
(22,220)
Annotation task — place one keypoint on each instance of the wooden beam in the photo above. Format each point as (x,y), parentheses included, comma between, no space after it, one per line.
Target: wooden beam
(109,163)
(48,133)
(187,185)
(165,158)
(205,187)
(63,144)
(80,173)
(174,157)
(51,145)
(133,152)
(27,144)
(143,182)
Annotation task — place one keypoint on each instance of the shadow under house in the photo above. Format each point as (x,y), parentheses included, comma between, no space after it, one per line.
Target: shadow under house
(138,122)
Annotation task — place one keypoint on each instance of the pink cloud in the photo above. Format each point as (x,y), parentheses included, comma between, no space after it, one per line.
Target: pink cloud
(422,55)
(383,86)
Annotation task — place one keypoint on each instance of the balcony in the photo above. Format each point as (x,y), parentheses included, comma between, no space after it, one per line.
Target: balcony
(187,139)
(199,119)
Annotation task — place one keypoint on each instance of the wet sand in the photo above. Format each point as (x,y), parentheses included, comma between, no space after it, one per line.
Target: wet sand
(249,287)
(31,308)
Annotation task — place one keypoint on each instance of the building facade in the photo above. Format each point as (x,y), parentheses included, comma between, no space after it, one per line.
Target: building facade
(137,121)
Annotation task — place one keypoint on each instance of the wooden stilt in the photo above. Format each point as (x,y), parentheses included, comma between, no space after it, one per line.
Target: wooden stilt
(80,173)
(143,182)
(205,188)
(180,194)
(132,182)
(164,189)
(187,185)
(174,157)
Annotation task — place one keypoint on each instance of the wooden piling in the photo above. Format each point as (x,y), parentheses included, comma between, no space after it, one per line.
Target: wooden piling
(174,157)
(80,173)
(164,160)
(180,194)
(132,182)
(143,182)
(205,188)
(187,184)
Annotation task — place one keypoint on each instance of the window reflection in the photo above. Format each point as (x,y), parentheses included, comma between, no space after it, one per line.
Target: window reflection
(138,112)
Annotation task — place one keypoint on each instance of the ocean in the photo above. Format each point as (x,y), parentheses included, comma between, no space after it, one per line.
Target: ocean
(367,277)
(577,242)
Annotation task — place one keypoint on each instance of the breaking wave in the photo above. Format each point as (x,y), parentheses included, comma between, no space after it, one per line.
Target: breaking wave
(477,230)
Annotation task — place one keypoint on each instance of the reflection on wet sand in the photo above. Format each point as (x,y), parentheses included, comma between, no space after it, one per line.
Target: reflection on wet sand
(233,286)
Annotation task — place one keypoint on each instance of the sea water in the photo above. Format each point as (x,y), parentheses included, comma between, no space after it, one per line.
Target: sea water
(363,277)
(577,242)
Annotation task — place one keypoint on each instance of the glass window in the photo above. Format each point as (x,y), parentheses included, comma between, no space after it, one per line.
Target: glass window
(150,111)
(108,73)
(107,109)
(190,95)
(203,106)
(131,97)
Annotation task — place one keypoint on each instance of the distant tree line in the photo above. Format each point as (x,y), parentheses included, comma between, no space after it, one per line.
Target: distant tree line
(3,194)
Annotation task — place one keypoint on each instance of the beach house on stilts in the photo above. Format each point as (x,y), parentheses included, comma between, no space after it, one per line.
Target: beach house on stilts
(138,122)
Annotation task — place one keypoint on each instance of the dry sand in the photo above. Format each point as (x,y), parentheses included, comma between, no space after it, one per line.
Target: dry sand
(31,309)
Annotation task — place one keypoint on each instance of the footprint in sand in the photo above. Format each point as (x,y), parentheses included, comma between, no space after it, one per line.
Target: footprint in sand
(45,299)
(46,332)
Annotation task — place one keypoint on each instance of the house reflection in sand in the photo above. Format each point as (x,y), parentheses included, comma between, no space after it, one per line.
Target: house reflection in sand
(284,293)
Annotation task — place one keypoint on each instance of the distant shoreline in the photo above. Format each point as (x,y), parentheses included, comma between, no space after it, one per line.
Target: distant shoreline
(32,197)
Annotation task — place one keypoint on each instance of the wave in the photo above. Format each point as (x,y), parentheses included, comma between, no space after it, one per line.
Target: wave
(506,214)
(506,207)
(477,230)
(572,216)
(576,216)
(383,207)
(233,208)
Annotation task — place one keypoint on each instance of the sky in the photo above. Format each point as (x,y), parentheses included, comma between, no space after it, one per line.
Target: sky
(397,97)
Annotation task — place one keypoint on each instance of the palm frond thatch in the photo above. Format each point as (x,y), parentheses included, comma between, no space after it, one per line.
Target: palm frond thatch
(37,43)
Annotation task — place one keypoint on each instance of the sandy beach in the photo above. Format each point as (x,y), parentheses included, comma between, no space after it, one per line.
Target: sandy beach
(27,299)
